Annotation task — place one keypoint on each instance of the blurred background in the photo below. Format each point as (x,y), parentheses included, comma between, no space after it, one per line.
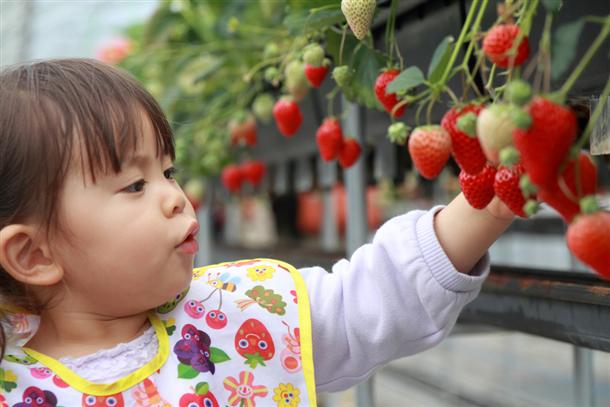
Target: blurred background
(539,334)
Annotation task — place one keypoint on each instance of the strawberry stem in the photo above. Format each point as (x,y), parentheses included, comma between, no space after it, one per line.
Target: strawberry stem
(343,35)
(391,34)
(457,45)
(563,92)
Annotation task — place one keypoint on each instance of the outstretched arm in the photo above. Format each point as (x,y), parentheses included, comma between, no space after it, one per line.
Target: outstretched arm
(465,233)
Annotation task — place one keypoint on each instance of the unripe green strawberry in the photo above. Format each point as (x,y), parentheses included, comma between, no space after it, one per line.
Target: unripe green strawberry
(518,92)
(194,190)
(271,74)
(271,50)
(342,75)
(495,130)
(314,55)
(359,15)
(263,107)
(430,148)
(296,81)
(398,132)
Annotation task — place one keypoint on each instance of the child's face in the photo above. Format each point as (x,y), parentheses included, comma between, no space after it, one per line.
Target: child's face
(120,250)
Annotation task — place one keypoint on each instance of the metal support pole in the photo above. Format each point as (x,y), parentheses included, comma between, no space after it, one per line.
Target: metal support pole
(584,389)
(356,225)
(204,217)
(329,233)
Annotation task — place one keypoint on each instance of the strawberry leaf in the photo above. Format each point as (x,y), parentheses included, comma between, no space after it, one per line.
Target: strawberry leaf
(564,43)
(407,80)
(440,58)
(186,371)
(305,21)
(218,355)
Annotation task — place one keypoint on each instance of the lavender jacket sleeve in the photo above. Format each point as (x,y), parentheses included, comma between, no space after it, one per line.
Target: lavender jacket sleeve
(396,296)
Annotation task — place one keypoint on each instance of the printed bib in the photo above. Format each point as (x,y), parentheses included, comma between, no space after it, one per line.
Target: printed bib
(239,336)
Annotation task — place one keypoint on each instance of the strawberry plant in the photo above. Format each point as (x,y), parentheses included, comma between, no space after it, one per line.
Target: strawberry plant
(219,69)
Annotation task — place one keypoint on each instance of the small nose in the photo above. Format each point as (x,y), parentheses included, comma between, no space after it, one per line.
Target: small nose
(174,200)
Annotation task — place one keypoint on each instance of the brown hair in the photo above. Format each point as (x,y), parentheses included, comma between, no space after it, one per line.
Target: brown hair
(44,105)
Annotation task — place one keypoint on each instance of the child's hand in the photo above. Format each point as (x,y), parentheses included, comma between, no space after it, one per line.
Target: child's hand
(499,210)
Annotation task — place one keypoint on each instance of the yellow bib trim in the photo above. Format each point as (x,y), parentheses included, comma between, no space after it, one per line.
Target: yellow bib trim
(102,389)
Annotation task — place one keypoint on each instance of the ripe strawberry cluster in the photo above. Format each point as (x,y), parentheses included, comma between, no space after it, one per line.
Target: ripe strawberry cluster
(233,176)
(333,145)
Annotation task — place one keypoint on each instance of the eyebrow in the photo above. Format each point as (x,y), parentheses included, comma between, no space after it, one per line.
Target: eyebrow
(137,160)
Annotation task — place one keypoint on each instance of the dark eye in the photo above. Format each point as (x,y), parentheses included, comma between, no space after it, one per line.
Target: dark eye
(212,315)
(243,344)
(111,401)
(136,186)
(221,317)
(208,403)
(90,400)
(262,344)
(170,172)
(187,336)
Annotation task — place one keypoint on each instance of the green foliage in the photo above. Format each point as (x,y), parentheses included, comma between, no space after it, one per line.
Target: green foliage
(407,80)
(564,46)
(440,58)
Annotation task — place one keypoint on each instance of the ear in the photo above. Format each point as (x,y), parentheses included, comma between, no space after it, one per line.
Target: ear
(26,256)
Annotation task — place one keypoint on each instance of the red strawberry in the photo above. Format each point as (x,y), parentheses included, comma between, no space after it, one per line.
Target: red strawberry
(330,139)
(567,204)
(506,187)
(243,132)
(315,75)
(467,150)
(254,171)
(588,239)
(254,342)
(232,177)
(350,151)
(288,116)
(499,42)
(546,143)
(387,100)
(478,189)
(430,148)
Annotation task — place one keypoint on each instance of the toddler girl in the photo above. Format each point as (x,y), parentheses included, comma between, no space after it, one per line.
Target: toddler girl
(101,305)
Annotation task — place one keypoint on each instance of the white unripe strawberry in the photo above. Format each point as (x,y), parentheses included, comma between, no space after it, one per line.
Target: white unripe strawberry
(495,130)
(359,15)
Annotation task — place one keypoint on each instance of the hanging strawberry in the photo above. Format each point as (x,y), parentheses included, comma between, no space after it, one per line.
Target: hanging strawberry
(388,100)
(243,132)
(566,200)
(288,116)
(329,138)
(495,126)
(316,74)
(359,15)
(466,147)
(478,189)
(506,187)
(296,81)
(350,151)
(499,42)
(588,238)
(232,177)
(253,171)
(430,148)
(253,341)
(546,142)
